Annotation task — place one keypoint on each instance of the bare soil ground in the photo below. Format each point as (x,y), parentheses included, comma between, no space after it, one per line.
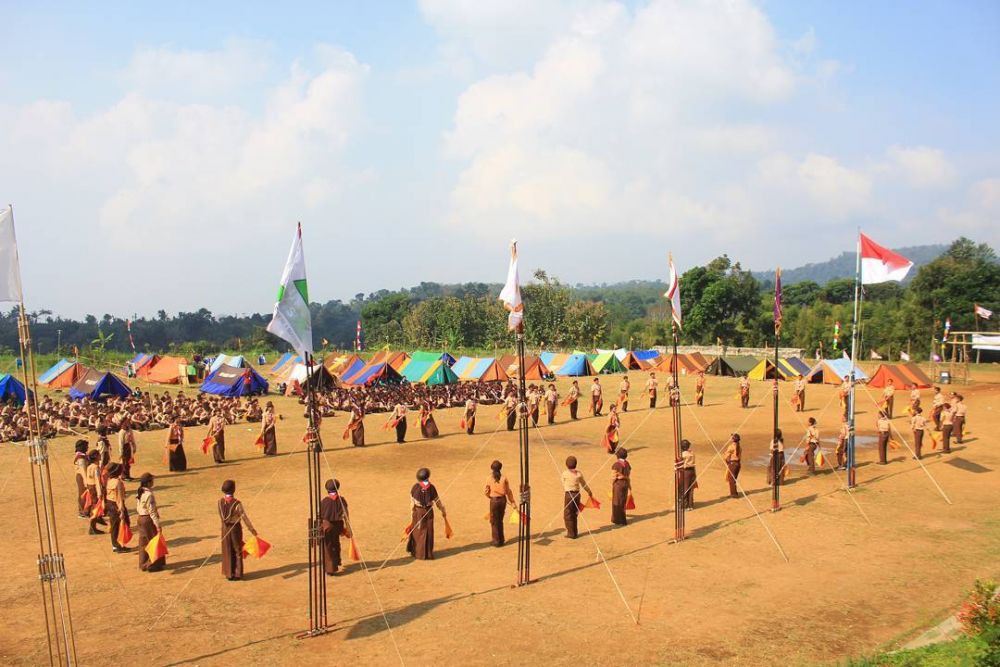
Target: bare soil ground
(864,570)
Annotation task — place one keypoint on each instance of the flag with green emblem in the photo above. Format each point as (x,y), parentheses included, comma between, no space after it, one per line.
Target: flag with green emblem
(291,320)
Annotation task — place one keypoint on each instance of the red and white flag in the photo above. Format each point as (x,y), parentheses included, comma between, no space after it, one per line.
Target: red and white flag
(674,294)
(983,313)
(879,265)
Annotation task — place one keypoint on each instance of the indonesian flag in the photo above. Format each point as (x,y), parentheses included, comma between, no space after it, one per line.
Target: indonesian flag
(879,265)
(511,292)
(674,294)
(983,313)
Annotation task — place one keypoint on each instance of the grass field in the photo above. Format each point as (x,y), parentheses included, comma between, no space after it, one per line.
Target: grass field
(864,571)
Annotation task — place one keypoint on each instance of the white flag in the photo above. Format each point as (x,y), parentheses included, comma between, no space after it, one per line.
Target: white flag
(291,319)
(10,267)
(511,292)
(875,355)
(903,356)
(674,294)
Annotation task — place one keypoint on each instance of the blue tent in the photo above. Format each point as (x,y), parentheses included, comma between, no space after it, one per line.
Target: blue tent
(577,365)
(374,374)
(95,385)
(55,371)
(11,389)
(645,355)
(833,371)
(223,359)
(231,381)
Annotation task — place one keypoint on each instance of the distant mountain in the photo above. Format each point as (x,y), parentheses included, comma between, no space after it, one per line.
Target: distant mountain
(844,264)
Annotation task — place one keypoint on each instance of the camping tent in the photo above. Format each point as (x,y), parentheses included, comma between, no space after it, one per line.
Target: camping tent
(224,359)
(429,371)
(903,376)
(61,375)
(373,374)
(395,359)
(552,360)
(421,355)
(619,352)
(168,370)
(534,367)
(95,384)
(792,367)
(764,370)
(633,363)
(686,363)
(229,380)
(576,365)
(141,363)
(11,390)
(834,371)
(607,362)
(283,363)
(321,379)
(484,369)
(353,365)
(732,366)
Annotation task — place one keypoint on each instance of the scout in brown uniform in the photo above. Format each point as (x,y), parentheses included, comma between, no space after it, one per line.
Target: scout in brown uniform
(621,485)
(510,411)
(148,523)
(103,446)
(80,473)
(356,427)
(812,444)
(428,427)
(883,426)
(690,476)
(114,505)
(651,387)
(937,405)
(573,481)
(914,399)
(551,402)
(231,513)
(333,517)
(800,394)
(500,495)
(844,394)
(126,448)
(175,446)
(534,399)
(470,416)
(423,498)
(610,440)
(842,436)
(217,431)
(699,389)
(573,400)
(268,430)
(397,420)
(958,421)
(918,423)
(947,426)
(888,397)
(92,478)
(733,456)
(596,398)
(744,391)
(623,391)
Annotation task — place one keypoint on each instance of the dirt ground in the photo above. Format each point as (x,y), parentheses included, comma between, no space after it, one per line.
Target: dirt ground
(863,571)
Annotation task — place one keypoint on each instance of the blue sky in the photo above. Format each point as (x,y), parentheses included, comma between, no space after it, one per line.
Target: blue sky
(159,156)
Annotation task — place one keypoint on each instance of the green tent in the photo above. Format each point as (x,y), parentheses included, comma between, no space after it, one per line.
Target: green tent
(421,355)
(429,372)
(607,362)
(733,366)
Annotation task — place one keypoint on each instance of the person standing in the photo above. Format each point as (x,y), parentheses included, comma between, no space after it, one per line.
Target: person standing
(103,446)
(510,411)
(610,440)
(356,427)
(888,397)
(812,444)
(844,393)
(596,398)
(937,405)
(231,513)
(551,401)
(918,423)
(744,391)
(733,456)
(651,387)
(114,505)
(777,458)
(176,457)
(334,522)
(499,493)
(958,422)
(699,389)
(95,489)
(621,487)
(842,443)
(217,431)
(883,425)
(534,401)
(423,498)
(469,417)
(126,448)
(623,391)
(800,394)
(148,523)
(80,463)
(947,426)
(573,481)
(428,427)
(689,476)
(573,400)
(268,430)
(914,399)
(397,420)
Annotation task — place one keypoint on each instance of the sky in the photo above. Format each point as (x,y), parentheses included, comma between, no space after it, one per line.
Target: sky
(158,155)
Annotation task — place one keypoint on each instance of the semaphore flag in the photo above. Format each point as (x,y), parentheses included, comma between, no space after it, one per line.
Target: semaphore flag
(879,265)
(673,294)
(511,292)
(291,319)
(982,312)
(10,267)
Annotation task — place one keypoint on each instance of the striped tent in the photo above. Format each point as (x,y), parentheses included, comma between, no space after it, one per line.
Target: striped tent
(903,376)
(607,362)
(337,365)
(429,372)
(764,370)
(834,371)
(687,364)
(373,374)
(485,369)
(791,367)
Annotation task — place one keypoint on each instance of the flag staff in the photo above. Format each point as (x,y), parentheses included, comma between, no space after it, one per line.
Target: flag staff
(51,563)
(851,444)
(777,466)
(673,295)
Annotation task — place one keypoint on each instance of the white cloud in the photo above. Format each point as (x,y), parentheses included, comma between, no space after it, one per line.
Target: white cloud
(167,73)
(922,166)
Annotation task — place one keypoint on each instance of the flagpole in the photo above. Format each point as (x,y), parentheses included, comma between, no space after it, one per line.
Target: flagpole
(975,318)
(318,622)
(51,562)
(851,467)
(679,504)
(777,467)
(524,525)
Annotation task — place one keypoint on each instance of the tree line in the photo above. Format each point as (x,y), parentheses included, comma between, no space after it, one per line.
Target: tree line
(722,302)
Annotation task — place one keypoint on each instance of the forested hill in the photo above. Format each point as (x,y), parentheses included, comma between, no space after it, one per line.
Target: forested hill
(844,264)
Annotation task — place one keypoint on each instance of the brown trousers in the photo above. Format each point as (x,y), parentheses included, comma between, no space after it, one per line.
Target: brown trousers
(946,431)
(421,542)
(572,409)
(219,449)
(550,411)
(619,496)
(918,442)
(497,506)
(146,531)
(331,545)
(957,426)
(883,446)
(731,477)
(571,510)
(232,551)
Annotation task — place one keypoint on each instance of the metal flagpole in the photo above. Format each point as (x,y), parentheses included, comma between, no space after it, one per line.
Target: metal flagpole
(776,467)
(678,470)
(318,623)
(851,468)
(524,506)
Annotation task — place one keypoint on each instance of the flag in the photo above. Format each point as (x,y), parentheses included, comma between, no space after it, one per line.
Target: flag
(357,337)
(355,554)
(903,356)
(448,532)
(256,547)
(291,320)
(875,355)
(947,329)
(131,341)
(879,265)
(982,312)
(206,444)
(10,267)
(673,294)
(157,547)
(836,335)
(511,292)
(777,302)
(124,533)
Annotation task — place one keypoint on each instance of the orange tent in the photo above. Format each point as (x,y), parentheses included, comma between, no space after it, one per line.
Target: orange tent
(66,378)
(634,363)
(687,364)
(167,370)
(534,369)
(903,376)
